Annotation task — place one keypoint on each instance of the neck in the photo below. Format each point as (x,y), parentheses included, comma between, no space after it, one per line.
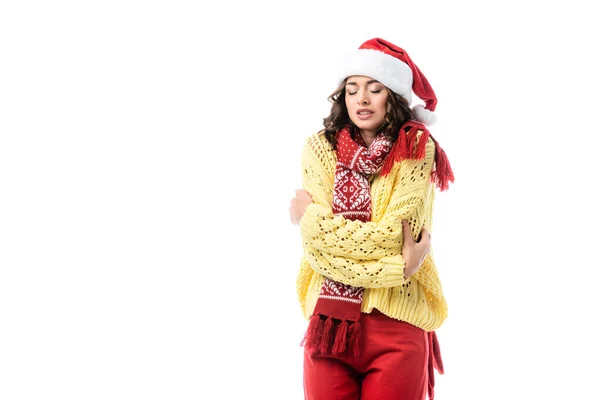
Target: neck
(368,136)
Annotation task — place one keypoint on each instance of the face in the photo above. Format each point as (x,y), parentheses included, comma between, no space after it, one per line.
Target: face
(366,100)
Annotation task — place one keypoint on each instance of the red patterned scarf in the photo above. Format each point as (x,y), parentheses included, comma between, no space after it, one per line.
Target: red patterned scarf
(335,324)
(334,327)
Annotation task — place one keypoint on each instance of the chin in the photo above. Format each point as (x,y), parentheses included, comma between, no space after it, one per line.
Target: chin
(366,125)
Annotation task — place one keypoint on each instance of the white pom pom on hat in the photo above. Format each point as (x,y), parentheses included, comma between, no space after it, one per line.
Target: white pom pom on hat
(391,65)
(424,115)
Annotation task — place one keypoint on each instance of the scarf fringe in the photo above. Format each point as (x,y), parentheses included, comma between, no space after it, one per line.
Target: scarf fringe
(332,336)
(312,338)
(340,345)
(442,174)
(327,336)
(354,343)
(410,146)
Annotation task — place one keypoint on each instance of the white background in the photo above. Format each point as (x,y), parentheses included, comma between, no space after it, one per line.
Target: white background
(149,150)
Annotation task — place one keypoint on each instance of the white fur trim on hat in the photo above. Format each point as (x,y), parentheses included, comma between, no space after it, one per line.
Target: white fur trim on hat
(424,115)
(392,72)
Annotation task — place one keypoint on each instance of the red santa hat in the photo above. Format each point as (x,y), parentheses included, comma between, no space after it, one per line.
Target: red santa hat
(391,65)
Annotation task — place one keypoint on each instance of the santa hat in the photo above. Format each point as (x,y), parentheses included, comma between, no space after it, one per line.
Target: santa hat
(391,65)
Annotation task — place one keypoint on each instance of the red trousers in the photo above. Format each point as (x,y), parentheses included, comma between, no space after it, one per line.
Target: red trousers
(396,362)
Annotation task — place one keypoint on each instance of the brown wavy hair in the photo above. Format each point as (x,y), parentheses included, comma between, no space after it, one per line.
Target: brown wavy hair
(397,114)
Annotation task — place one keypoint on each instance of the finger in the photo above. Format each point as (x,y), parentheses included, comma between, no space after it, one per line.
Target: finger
(406,230)
(305,194)
(300,192)
(424,234)
(427,232)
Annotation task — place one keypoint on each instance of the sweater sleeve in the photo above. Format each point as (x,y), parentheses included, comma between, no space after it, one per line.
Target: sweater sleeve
(354,252)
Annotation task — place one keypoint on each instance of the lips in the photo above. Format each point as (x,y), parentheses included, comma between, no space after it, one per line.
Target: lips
(364,113)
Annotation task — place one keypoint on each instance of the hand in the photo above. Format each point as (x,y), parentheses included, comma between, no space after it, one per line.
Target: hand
(414,252)
(298,205)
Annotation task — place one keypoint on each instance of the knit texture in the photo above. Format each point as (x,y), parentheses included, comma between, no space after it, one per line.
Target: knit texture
(368,254)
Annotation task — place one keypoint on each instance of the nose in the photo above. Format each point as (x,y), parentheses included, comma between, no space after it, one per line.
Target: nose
(363,97)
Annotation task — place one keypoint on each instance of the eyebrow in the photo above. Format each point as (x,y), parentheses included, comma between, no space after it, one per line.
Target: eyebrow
(368,83)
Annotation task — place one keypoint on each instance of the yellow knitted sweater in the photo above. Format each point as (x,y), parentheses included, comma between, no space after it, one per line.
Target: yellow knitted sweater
(369,254)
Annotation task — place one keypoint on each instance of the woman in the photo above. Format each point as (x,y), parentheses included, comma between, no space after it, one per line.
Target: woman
(367,282)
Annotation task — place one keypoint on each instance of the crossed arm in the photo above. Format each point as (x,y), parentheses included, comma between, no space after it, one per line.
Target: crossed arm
(367,254)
